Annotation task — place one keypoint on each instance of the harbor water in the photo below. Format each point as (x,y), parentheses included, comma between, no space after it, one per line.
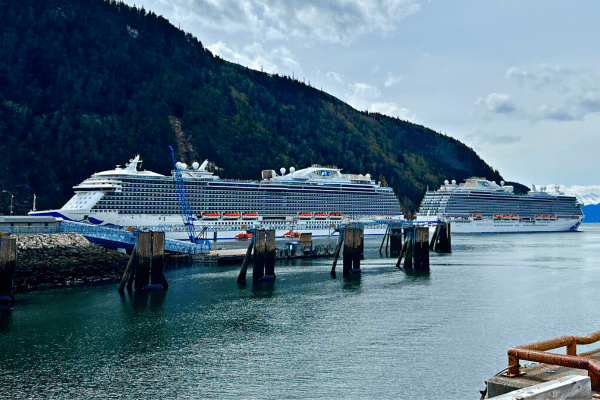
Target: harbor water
(385,335)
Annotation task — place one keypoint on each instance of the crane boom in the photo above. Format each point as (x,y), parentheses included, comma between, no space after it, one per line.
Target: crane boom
(184,205)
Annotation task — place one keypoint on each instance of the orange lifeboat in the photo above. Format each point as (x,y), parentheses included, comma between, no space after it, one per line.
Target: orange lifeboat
(335,215)
(292,235)
(305,215)
(516,217)
(497,216)
(243,236)
(477,216)
(249,215)
(231,215)
(320,215)
(507,216)
(210,215)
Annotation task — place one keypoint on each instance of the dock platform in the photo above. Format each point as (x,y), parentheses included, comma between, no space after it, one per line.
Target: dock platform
(534,375)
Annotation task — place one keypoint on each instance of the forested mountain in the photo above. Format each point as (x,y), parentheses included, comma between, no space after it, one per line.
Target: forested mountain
(87,84)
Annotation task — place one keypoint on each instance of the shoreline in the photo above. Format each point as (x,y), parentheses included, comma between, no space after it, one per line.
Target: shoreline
(49,261)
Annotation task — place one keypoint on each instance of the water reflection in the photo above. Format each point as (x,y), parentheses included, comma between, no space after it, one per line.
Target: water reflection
(5,319)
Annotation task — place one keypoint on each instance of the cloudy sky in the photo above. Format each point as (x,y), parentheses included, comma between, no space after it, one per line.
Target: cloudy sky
(518,81)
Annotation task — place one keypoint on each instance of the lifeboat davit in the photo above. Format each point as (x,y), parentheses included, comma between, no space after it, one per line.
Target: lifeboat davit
(249,215)
(305,215)
(231,215)
(210,215)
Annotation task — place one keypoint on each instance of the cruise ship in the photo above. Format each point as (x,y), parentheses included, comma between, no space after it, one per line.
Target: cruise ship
(315,199)
(482,206)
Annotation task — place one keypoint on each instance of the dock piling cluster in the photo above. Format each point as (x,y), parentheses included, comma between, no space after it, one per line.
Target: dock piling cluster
(145,268)
(263,247)
(352,240)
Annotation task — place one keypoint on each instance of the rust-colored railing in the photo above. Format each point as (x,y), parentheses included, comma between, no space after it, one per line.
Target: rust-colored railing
(537,352)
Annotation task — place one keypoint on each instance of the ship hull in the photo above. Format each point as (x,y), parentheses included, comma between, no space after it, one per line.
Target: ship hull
(511,226)
(218,229)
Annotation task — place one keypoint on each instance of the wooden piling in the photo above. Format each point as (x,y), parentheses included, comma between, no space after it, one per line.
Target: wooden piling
(244,269)
(8,263)
(147,263)
(348,250)
(157,275)
(442,239)
(408,255)
(385,237)
(337,250)
(359,249)
(396,242)
(128,270)
(269,256)
(144,260)
(421,249)
(258,266)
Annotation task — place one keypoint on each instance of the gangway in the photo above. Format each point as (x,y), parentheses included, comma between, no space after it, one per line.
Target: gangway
(122,238)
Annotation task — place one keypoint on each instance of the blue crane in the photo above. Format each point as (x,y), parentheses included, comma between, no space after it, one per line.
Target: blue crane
(184,205)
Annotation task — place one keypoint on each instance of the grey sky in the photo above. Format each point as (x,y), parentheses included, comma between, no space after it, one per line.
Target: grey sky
(519,81)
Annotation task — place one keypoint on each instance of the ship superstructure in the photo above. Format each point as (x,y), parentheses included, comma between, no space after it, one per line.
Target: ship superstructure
(482,206)
(314,199)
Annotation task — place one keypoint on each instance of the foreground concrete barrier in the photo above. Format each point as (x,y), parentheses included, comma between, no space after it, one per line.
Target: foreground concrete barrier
(572,387)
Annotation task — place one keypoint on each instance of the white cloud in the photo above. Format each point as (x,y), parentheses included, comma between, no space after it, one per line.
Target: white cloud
(392,80)
(391,109)
(496,103)
(481,138)
(563,94)
(363,95)
(325,21)
(255,57)
(334,76)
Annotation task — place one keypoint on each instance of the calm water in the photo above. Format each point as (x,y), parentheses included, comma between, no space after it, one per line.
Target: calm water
(308,336)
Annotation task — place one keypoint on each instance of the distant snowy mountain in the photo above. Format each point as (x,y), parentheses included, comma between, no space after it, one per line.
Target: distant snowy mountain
(587,195)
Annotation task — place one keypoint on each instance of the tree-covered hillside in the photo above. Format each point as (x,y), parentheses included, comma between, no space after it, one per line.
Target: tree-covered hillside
(87,84)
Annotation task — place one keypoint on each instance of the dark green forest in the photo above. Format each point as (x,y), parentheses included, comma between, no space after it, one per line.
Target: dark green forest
(87,84)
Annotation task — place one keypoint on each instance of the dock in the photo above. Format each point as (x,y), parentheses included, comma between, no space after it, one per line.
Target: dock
(291,250)
(558,373)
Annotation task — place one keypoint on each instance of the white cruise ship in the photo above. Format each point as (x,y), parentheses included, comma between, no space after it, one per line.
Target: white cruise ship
(315,200)
(481,206)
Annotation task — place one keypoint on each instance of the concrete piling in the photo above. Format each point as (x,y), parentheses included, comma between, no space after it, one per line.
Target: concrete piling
(8,263)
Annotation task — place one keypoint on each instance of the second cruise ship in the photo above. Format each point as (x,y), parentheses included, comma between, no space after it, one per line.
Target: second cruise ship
(482,206)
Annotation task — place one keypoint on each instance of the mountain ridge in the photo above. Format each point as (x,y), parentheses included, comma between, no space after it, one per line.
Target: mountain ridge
(90,83)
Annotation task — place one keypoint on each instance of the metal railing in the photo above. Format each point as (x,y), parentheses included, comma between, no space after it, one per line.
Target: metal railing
(537,352)
(126,237)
